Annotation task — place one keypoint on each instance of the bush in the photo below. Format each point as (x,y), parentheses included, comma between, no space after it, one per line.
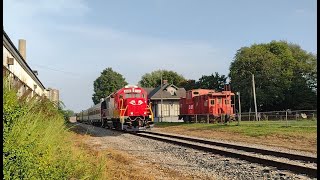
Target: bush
(37,144)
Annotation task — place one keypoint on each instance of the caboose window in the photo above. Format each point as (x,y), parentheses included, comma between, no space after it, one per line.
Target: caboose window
(212,102)
(226,101)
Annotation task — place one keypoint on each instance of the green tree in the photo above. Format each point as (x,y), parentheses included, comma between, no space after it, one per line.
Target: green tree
(214,81)
(189,84)
(153,79)
(282,72)
(108,82)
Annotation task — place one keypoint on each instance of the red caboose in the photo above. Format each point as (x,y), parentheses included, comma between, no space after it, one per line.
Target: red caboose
(206,104)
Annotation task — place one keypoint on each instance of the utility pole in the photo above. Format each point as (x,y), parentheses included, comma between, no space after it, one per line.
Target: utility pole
(254,96)
(239,115)
(161,98)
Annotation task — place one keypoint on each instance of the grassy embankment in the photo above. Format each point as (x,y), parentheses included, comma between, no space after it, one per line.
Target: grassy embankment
(37,144)
(299,135)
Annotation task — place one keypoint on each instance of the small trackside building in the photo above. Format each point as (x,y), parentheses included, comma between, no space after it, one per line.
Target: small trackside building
(170,95)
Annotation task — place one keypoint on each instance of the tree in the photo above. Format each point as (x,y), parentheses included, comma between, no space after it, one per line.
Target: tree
(153,79)
(282,72)
(189,84)
(215,82)
(108,82)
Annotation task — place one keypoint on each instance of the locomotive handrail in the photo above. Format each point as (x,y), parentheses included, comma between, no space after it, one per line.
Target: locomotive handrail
(121,108)
(149,107)
(121,105)
(122,111)
(125,109)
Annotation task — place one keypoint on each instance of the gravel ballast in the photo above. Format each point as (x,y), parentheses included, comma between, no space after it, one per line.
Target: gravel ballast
(188,162)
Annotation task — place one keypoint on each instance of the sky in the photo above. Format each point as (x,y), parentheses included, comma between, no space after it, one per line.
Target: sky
(70,42)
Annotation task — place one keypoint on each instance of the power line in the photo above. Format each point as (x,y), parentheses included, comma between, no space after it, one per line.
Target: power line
(52,69)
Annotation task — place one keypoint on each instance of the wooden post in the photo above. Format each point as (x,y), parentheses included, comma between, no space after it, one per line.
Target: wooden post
(196,119)
(208,118)
(287,117)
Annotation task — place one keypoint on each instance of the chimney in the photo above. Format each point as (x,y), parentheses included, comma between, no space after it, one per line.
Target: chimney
(22,48)
(165,81)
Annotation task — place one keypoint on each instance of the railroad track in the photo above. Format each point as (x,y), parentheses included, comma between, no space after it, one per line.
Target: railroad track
(283,161)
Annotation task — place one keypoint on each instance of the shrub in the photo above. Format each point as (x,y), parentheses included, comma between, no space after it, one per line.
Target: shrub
(37,144)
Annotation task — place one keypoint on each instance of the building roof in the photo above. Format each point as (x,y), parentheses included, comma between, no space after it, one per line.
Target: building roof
(155,93)
(16,54)
(148,90)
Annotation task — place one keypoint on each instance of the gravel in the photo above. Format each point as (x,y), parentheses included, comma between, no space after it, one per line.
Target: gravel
(188,162)
(280,149)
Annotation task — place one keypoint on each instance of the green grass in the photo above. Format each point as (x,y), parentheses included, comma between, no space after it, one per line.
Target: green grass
(37,144)
(253,128)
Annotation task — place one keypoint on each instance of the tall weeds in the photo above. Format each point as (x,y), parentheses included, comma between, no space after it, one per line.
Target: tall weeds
(37,144)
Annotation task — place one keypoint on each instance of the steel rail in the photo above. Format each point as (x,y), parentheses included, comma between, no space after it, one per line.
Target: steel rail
(240,147)
(294,167)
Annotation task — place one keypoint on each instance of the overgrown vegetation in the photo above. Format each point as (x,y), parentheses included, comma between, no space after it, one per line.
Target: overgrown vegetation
(37,144)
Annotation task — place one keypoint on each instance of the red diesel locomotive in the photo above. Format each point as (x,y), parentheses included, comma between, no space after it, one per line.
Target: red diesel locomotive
(207,104)
(127,109)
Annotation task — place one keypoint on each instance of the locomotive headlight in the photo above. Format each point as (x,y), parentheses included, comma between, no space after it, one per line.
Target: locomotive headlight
(131,113)
(144,113)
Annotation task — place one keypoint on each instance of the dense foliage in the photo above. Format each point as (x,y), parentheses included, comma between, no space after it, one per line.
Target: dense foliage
(285,76)
(108,82)
(189,84)
(213,81)
(37,145)
(153,79)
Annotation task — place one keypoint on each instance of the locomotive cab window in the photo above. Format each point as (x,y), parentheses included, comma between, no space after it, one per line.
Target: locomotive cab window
(127,95)
(136,95)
